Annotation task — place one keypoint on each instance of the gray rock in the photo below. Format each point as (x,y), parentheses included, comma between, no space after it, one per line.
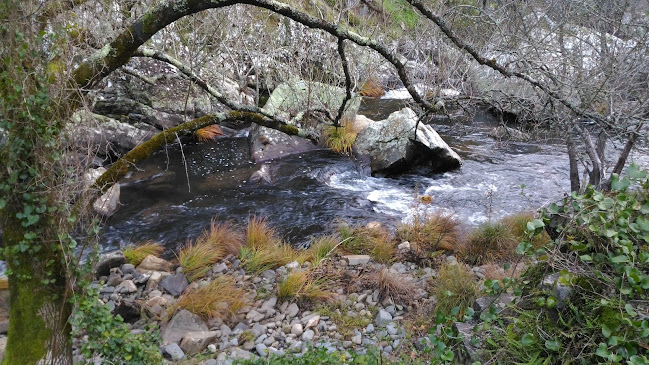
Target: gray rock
(391,309)
(258,329)
(210,362)
(240,327)
(174,351)
(499,302)
(109,261)
(357,339)
(292,310)
(261,349)
(393,146)
(561,290)
(127,287)
(297,329)
(369,328)
(240,354)
(308,335)
(175,284)
(270,303)
(152,263)
(195,342)
(354,260)
(383,318)
(391,328)
(470,352)
(261,176)
(399,267)
(211,348)
(220,268)
(181,324)
(255,316)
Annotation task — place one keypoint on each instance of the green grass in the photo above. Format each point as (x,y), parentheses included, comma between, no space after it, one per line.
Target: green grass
(431,233)
(136,253)
(454,286)
(359,240)
(219,299)
(196,259)
(299,285)
(346,323)
(340,139)
(321,248)
(490,243)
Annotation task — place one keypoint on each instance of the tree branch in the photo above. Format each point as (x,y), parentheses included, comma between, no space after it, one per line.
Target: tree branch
(348,81)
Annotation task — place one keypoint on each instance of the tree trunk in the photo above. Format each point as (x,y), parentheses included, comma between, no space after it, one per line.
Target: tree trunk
(38,326)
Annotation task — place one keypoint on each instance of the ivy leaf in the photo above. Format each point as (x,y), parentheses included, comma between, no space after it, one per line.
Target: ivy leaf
(619,259)
(634,172)
(606,330)
(618,184)
(629,309)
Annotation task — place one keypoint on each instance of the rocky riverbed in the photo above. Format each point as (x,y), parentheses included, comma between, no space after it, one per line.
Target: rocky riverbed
(357,316)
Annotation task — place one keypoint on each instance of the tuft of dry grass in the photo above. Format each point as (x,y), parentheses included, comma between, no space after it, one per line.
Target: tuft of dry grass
(208,133)
(375,242)
(454,287)
(223,236)
(260,234)
(196,259)
(136,253)
(4,283)
(371,88)
(320,248)
(300,285)
(517,225)
(431,233)
(489,243)
(390,285)
(340,139)
(219,299)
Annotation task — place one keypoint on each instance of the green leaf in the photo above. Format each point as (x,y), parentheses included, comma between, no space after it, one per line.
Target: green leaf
(586,258)
(527,339)
(618,184)
(619,259)
(634,172)
(552,345)
(606,330)
(629,309)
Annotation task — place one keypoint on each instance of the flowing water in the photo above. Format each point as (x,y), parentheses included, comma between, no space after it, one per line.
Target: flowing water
(167,202)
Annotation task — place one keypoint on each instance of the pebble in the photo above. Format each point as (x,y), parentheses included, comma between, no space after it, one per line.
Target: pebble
(297,329)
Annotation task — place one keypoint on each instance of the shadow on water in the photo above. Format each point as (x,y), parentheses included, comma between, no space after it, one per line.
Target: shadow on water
(164,201)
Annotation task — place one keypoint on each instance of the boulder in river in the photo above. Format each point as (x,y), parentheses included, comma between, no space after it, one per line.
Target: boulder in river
(393,146)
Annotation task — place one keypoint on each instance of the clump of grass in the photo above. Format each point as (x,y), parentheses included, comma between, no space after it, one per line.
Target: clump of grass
(390,285)
(264,250)
(219,299)
(340,139)
(371,88)
(223,236)
(4,283)
(489,243)
(136,253)
(196,259)
(208,133)
(431,233)
(260,234)
(517,225)
(247,335)
(454,287)
(345,319)
(375,242)
(321,247)
(299,285)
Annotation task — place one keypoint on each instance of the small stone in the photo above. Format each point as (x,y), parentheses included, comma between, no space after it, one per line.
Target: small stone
(210,362)
(152,263)
(175,284)
(347,344)
(211,348)
(358,339)
(154,280)
(369,328)
(220,268)
(249,345)
(268,274)
(270,303)
(308,335)
(451,260)
(113,280)
(391,328)
(383,318)
(387,349)
(225,330)
(296,329)
(391,309)
(182,323)
(255,316)
(240,327)
(174,351)
(312,322)
(404,246)
(292,310)
(241,354)
(399,268)
(296,346)
(354,260)
(292,265)
(261,349)
(195,342)
(126,286)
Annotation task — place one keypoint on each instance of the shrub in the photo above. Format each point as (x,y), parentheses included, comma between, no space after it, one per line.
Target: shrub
(136,253)
(454,287)
(197,259)
(299,285)
(602,253)
(489,243)
(430,233)
(108,337)
(390,285)
(223,236)
(221,299)
(340,139)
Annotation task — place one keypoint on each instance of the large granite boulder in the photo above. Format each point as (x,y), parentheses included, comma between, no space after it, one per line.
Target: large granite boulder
(288,100)
(393,146)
